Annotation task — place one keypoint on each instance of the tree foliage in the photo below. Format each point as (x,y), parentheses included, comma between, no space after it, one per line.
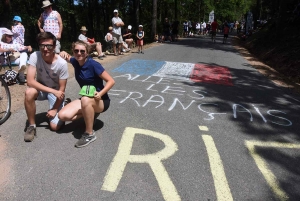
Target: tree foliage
(96,14)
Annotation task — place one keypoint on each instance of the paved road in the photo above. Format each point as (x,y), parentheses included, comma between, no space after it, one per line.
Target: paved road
(190,120)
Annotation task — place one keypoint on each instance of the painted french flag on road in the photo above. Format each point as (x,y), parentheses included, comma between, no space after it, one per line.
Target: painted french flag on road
(183,71)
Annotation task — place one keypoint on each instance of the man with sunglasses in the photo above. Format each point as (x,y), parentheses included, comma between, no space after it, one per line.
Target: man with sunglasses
(50,21)
(47,76)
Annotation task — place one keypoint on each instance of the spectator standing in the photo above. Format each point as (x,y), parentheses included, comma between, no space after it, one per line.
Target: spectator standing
(47,76)
(225,31)
(214,27)
(90,73)
(185,28)
(18,31)
(127,36)
(166,31)
(238,28)
(231,26)
(117,23)
(198,28)
(208,27)
(204,27)
(201,28)
(91,42)
(140,36)
(50,21)
(194,27)
(190,26)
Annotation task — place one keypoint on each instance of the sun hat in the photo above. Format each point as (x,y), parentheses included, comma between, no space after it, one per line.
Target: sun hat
(7,31)
(17,18)
(110,28)
(87,90)
(46,4)
(115,11)
(140,25)
(129,27)
(83,28)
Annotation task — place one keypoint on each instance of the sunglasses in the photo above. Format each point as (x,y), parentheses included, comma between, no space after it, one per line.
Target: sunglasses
(49,47)
(81,51)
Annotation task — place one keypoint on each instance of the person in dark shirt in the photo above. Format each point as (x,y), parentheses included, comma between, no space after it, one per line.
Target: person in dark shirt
(88,73)
(166,31)
(127,36)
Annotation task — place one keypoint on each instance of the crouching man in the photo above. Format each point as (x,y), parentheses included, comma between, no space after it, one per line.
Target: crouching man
(47,76)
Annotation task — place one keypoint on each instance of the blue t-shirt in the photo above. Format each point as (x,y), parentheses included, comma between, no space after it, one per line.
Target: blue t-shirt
(88,74)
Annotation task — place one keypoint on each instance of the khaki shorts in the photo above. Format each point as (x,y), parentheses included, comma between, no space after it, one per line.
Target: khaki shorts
(117,38)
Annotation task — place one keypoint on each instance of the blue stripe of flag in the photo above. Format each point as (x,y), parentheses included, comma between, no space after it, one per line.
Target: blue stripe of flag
(140,67)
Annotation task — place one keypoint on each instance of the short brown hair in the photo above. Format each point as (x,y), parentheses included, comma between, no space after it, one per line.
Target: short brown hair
(44,36)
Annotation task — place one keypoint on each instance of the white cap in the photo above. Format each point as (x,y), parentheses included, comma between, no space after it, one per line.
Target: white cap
(140,25)
(7,32)
(129,27)
(115,11)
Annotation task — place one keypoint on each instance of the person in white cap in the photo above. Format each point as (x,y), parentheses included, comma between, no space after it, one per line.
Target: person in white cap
(117,23)
(7,45)
(127,36)
(18,30)
(91,42)
(50,21)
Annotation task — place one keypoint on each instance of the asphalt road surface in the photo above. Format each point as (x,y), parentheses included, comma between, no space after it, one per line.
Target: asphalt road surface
(190,120)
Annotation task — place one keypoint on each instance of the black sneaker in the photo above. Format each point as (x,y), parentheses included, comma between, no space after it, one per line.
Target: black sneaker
(85,140)
(21,79)
(29,134)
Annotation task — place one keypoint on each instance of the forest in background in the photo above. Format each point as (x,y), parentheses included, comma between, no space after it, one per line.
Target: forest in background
(96,14)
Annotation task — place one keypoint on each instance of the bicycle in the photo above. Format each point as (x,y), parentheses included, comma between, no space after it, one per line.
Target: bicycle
(5,101)
(5,97)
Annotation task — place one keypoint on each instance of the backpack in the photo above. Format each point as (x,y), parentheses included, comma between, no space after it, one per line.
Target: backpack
(10,76)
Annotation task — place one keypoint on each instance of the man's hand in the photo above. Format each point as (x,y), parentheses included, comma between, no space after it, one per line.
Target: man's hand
(64,54)
(59,94)
(58,37)
(51,113)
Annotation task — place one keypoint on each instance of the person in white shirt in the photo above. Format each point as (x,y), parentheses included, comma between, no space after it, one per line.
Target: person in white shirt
(91,42)
(7,45)
(117,23)
(47,76)
(18,30)
(109,39)
(198,28)
(50,21)
(204,27)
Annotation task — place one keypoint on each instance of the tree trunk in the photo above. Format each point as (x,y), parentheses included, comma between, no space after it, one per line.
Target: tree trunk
(154,19)
(4,17)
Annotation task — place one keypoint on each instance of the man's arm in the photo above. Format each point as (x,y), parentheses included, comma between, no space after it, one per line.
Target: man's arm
(60,24)
(40,22)
(53,111)
(120,23)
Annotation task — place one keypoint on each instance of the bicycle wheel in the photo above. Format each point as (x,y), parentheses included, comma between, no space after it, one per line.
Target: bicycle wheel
(5,101)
